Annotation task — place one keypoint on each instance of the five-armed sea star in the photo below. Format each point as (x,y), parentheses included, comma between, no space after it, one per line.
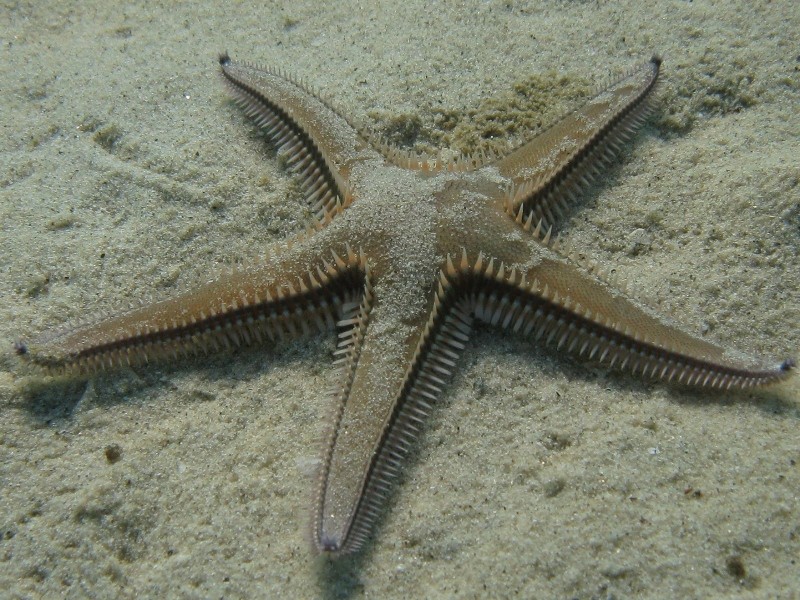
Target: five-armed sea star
(403,255)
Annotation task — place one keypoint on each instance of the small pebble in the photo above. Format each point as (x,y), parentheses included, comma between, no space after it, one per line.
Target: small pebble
(113,453)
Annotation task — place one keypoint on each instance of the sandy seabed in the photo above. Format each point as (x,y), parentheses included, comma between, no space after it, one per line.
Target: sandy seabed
(125,173)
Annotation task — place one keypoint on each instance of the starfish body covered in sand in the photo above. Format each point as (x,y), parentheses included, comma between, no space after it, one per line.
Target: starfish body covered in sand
(404,254)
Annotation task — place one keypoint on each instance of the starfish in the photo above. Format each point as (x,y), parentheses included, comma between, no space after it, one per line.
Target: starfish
(404,254)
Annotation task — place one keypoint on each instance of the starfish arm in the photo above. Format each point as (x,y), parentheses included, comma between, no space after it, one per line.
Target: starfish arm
(291,294)
(556,303)
(320,144)
(393,374)
(548,172)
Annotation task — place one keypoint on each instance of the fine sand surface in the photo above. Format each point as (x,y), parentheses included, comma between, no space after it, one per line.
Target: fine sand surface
(125,173)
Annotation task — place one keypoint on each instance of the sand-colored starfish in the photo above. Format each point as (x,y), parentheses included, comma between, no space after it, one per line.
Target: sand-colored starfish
(404,254)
